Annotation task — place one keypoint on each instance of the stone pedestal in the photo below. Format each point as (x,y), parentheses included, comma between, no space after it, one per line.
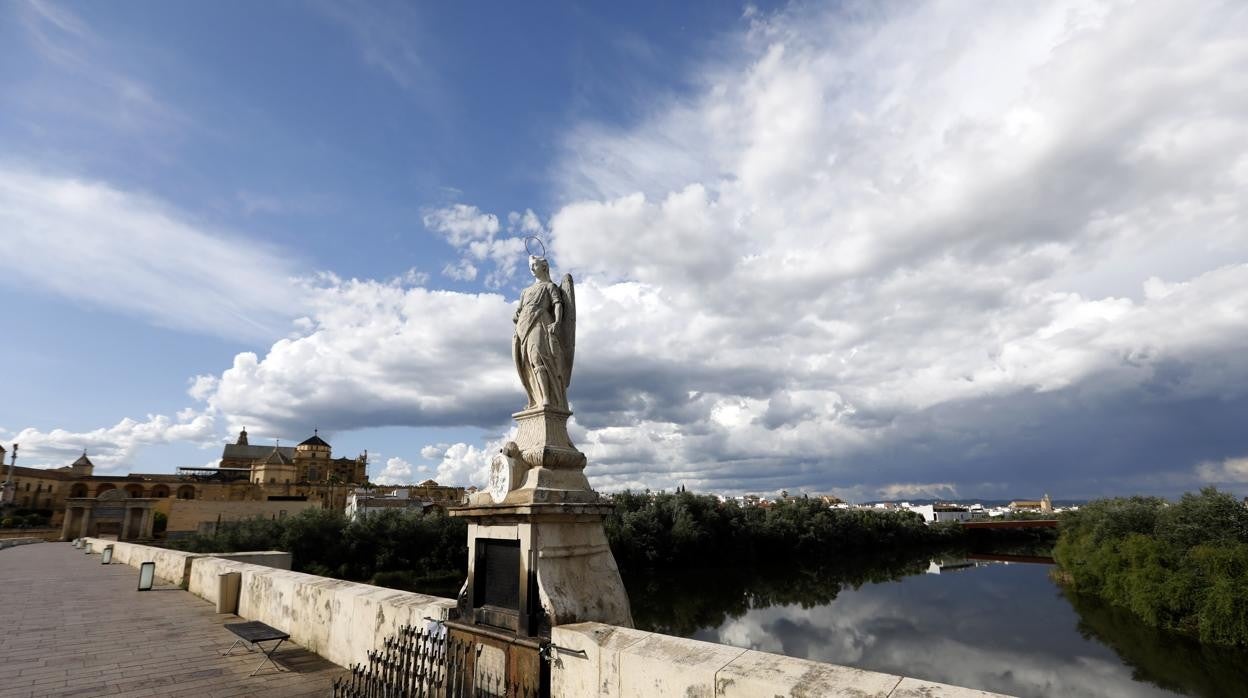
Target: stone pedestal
(566,573)
(556,470)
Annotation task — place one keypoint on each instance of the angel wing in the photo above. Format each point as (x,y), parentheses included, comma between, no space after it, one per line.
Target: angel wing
(567,327)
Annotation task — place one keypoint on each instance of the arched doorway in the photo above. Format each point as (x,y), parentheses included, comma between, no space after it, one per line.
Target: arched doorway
(104,488)
(160,491)
(186,492)
(135,491)
(78,490)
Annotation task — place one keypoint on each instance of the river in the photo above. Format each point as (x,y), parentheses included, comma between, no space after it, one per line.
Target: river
(1004,627)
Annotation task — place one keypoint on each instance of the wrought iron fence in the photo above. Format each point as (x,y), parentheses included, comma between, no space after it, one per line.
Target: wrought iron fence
(426,663)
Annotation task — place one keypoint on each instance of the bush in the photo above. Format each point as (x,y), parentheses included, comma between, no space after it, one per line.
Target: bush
(1181,566)
(684,530)
(325,542)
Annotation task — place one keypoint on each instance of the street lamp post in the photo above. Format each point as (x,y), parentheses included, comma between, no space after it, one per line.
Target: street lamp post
(8,494)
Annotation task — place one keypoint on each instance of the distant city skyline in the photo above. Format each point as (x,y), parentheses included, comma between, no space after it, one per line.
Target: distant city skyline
(881,251)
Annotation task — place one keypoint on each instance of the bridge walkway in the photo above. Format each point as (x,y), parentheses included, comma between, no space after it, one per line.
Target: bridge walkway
(70,626)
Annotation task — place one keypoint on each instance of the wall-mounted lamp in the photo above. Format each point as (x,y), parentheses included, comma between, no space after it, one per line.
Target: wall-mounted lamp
(106,558)
(147,575)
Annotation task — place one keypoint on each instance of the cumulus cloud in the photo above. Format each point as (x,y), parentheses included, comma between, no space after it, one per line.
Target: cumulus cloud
(372,354)
(903,215)
(111,448)
(96,244)
(901,250)
(400,472)
(465,464)
(475,235)
(1231,471)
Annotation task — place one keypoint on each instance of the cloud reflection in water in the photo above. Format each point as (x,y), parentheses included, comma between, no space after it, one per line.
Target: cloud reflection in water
(1000,628)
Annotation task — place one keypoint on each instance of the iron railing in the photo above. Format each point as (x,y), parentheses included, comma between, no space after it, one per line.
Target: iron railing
(426,663)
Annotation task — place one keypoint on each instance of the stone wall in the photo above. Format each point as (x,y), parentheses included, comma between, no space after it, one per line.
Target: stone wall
(49,534)
(173,566)
(12,542)
(341,621)
(185,515)
(627,663)
(338,620)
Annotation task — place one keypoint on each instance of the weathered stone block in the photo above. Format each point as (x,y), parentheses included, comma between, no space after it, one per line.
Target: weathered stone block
(598,673)
(659,665)
(917,688)
(764,675)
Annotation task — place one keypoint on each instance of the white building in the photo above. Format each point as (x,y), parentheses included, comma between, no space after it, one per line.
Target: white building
(939,513)
(362,502)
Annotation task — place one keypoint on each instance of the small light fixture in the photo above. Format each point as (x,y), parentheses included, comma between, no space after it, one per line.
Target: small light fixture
(147,575)
(106,558)
(87,548)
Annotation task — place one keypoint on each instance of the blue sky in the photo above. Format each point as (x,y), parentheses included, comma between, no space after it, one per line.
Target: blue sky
(877,249)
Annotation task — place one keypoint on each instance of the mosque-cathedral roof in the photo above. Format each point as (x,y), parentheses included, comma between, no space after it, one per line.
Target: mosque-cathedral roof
(314,440)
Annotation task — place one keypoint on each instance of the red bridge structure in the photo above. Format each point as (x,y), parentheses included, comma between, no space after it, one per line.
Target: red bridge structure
(1020,523)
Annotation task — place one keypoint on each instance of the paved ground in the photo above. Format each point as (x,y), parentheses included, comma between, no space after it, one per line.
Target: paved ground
(70,626)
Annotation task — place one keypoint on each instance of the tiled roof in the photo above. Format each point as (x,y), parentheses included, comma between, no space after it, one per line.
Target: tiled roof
(314,440)
(253,452)
(278,458)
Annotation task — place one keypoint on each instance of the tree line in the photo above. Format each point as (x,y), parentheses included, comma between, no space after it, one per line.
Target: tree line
(398,549)
(663,532)
(1177,565)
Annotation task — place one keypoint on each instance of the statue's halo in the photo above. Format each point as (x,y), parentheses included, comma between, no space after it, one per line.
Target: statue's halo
(528,246)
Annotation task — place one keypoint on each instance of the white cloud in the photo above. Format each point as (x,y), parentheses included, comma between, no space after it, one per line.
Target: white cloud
(474,234)
(111,449)
(399,472)
(900,251)
(461,224)
(898,210)
(75,78)
(465,465)
(374,354)
(390,37)
(1232,471)
(432,451)
(102,246)
(463,271)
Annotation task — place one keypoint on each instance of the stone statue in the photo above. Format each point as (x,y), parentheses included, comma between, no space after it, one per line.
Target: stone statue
(545,337)
(541,464)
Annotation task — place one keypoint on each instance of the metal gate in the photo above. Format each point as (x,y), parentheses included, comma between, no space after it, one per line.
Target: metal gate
(427,663)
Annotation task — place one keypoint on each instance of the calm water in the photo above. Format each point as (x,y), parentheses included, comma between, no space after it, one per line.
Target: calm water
(998,627)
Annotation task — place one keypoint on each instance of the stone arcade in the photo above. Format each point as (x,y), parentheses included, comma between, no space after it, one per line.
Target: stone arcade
(111,513)
(538,555)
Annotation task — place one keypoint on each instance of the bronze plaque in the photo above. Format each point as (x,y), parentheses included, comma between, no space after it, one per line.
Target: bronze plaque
(498,574)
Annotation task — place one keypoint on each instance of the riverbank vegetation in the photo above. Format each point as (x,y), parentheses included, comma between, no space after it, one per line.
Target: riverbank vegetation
(1181,566)
(674,531)
(400,550)
(661,533)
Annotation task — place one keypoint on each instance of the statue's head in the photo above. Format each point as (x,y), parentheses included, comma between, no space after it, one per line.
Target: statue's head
(538,265)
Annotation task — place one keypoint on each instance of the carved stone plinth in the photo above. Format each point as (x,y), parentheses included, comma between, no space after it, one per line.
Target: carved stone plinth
(541,466)
(542,435)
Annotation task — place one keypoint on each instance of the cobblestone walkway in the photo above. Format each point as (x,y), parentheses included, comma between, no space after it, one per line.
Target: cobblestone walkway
(70,626)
